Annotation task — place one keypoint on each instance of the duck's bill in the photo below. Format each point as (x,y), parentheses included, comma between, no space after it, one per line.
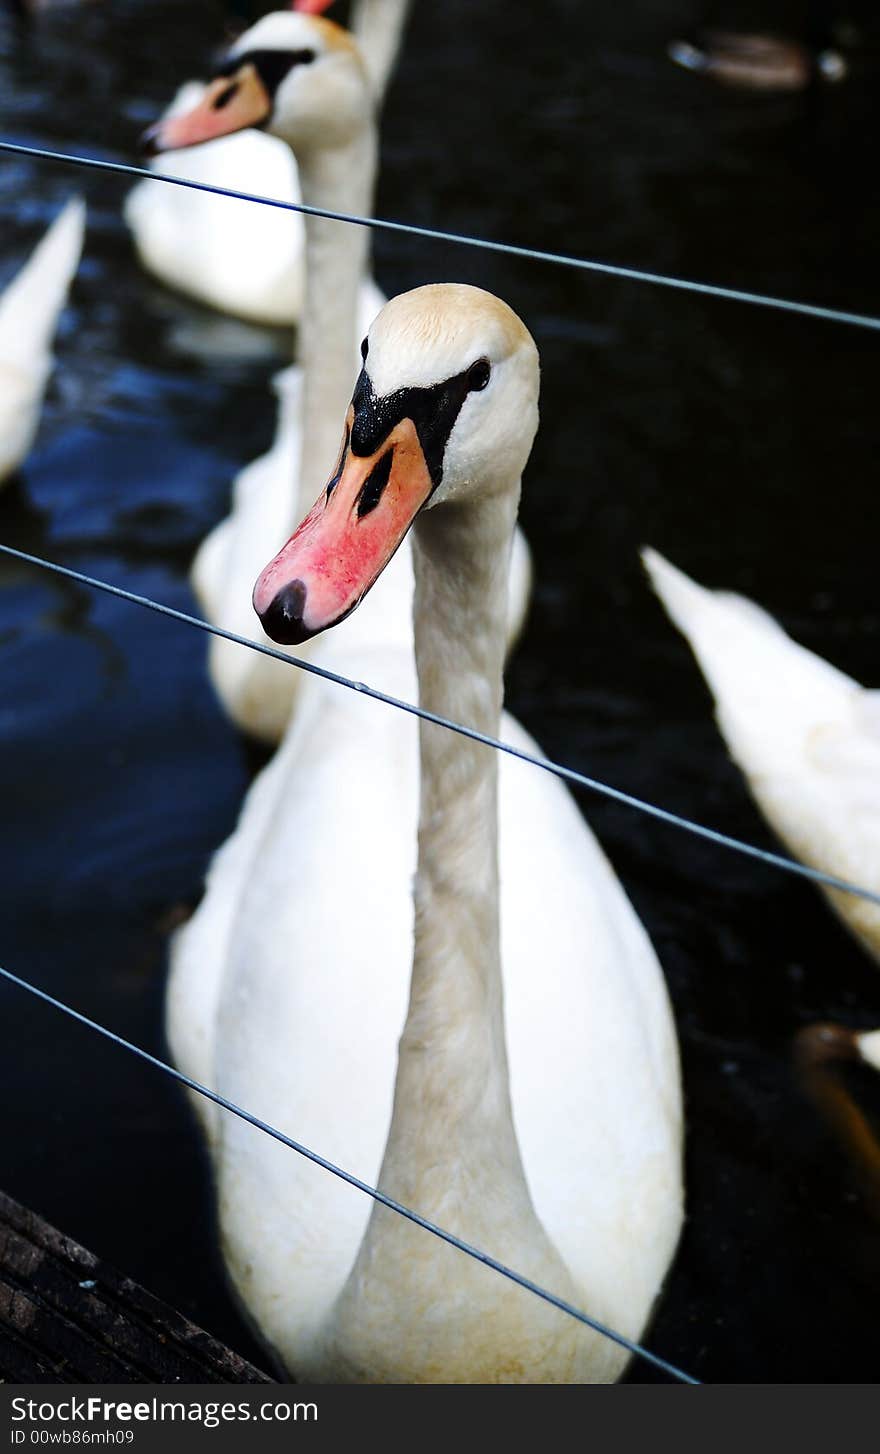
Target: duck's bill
(229,103)
(312,7)
(346,540)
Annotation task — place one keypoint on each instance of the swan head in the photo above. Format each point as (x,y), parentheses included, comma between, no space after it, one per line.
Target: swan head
(444,411)
(298,76)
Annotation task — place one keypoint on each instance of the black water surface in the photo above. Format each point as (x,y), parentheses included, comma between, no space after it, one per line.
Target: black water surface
(741,443)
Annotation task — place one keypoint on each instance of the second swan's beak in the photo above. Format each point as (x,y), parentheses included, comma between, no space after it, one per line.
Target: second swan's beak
(346,540)
(229,103)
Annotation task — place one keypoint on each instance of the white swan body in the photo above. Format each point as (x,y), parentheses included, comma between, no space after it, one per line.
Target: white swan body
(289,994)
(29,311)
(805,735)
(312,972)
(231,256)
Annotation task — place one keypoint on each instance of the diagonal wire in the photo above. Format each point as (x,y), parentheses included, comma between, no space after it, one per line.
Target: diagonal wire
(568,774)
(628,1343)
(590,265)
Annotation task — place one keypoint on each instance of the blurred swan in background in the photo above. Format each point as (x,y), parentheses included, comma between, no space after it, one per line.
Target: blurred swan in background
(240,259)
(805,735)
(227,254)
(303,76)
(29,312)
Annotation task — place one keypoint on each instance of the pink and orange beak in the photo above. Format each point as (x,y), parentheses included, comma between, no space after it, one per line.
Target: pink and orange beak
(230,103)
(347,538)
(312,7)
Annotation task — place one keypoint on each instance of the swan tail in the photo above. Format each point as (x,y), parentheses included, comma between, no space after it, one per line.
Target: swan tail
(30,307)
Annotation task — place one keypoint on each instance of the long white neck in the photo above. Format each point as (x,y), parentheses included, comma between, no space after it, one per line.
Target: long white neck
(452,1151)
(459,627)
(340,180)
(378,27)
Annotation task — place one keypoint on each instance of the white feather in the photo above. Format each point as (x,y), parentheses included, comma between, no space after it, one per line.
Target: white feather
(29,312)
(804,734)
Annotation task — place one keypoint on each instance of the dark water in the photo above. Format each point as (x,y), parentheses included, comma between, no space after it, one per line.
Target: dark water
(741,443)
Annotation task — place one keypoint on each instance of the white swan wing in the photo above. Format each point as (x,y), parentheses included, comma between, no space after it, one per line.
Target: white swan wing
(200,948)
(312,997)
(805,735)
(29,312)
(594,1070)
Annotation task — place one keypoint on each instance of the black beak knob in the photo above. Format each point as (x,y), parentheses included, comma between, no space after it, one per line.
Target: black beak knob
(283,618)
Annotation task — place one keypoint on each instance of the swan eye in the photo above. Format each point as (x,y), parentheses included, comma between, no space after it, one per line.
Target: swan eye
(478,375)
(365,349)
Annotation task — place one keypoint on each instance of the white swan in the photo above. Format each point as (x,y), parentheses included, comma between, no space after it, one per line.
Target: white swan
(568,1167)
(231,256)
(868,1044)
(805,735)
(240,259)
(29,311)
(307,83)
